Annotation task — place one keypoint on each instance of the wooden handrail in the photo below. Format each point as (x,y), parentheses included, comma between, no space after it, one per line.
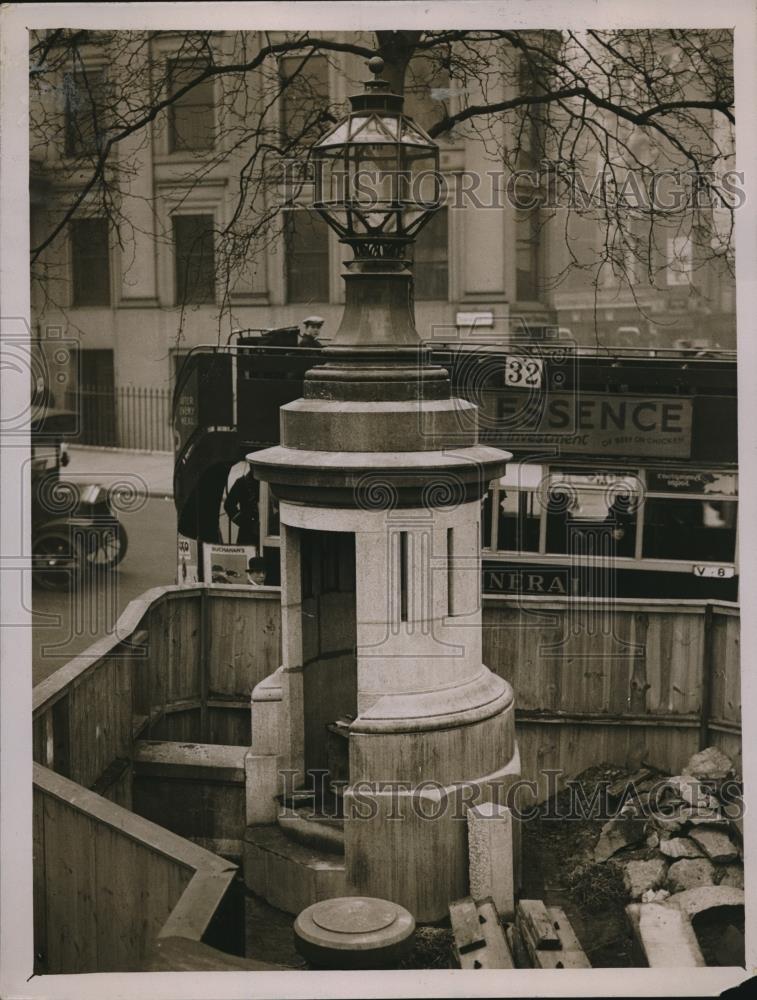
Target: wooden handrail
(129,824)
(54,687)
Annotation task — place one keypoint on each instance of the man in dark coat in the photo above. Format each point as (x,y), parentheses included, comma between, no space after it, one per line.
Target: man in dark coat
(241,505)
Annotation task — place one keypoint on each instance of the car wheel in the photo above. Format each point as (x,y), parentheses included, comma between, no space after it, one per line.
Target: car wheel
(57,559)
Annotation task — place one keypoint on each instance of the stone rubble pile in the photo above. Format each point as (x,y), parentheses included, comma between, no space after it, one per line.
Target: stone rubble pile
(679,829)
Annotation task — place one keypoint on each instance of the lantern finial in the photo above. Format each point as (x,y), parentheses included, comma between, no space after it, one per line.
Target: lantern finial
(376,65)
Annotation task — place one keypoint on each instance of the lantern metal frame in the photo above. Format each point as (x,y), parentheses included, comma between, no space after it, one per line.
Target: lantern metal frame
(376,129)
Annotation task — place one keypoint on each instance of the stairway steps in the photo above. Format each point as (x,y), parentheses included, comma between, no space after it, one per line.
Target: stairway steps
(288,874)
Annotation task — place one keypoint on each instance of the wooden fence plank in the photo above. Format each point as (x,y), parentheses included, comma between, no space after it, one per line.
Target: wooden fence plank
(71,889)
(39,883)
(119,896)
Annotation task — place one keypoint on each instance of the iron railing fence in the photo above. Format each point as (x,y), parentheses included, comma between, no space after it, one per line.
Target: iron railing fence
(129,416)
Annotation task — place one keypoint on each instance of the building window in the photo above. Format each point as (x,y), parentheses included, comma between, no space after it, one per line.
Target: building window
(86,97)
(306,240)
(305,95)
(90,262)
(426,85)
(195,259)
(431,257)
(191,116)
(527,254)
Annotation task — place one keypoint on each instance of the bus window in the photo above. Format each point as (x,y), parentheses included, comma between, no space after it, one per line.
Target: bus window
(519,516)
(586,505)
(699,530)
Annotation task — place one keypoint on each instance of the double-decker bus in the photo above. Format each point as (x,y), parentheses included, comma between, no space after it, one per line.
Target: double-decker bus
(624,473)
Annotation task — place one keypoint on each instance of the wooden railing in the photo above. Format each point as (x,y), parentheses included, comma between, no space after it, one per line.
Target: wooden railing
(180,666)
(621,681)
(626,679)
(108,884)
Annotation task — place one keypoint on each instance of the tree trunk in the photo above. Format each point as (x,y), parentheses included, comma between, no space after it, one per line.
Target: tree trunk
(396,49)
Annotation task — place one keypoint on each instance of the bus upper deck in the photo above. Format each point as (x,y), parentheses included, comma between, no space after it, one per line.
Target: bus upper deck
(624,472)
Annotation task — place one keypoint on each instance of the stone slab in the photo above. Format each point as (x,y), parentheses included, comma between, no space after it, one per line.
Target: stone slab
(679,847)
(491,856)
(640,876)
(617,833)
(732,875)
(709,764)
(664,936)
(694,901)
(690,873)
(289,875)
(570,954)
(716,844)
(262,781)
(692,791)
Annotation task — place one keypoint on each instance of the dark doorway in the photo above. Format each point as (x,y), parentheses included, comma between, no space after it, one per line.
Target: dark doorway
(95,399)
(329,640)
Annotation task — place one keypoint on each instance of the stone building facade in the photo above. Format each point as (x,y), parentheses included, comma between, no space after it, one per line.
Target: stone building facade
(139,292)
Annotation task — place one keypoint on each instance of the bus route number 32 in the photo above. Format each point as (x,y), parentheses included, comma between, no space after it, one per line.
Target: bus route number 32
(524,371)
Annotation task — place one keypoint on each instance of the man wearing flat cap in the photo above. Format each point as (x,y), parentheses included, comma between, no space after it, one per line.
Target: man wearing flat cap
(311,327)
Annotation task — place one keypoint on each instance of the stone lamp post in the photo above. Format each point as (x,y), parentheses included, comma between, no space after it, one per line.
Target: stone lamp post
(380,477)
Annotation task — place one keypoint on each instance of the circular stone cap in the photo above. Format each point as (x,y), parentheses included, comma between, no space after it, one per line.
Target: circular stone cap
(354,932)
(361,915)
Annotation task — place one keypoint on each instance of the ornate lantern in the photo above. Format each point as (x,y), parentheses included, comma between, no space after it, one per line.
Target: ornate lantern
(376,174)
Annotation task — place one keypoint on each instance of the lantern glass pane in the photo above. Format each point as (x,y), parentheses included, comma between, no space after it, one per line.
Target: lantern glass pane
(410,134)
(373,128)
(419,178)
(332,186)
(374,173)
(338,137)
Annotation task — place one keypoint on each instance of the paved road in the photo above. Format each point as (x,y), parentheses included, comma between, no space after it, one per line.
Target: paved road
(65,624)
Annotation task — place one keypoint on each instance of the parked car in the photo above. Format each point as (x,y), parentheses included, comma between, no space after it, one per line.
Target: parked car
(74,527)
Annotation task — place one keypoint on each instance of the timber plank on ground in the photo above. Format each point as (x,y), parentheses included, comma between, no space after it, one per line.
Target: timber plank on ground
(530,928)
(480,941)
